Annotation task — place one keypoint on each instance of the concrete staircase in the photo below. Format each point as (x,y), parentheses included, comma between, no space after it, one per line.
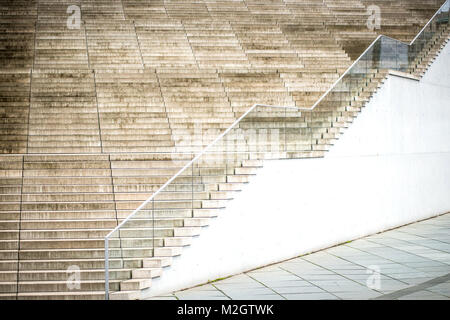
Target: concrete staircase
(420,65)
(134,119)
(63,114)
(15,108)
(96,119)
(400,20)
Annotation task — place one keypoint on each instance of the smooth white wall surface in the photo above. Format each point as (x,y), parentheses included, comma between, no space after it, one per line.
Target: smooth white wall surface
(390,168)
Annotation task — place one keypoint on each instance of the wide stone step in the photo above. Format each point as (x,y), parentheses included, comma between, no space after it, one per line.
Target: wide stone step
(147,241)
(135,284)
(62,275)
(47,254)
(82,264)
(68,295)
(88,233)
(60,286)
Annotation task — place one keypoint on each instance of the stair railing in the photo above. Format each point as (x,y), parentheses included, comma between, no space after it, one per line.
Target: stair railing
(262,131)
(386,53)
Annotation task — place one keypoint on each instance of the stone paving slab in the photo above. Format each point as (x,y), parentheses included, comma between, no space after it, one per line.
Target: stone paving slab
(408,263)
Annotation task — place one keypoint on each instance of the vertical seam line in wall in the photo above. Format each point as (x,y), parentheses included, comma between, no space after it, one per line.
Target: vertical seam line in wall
(252,18)
(95,88)
(98,111)
(29,111)
(31,78)
(123,11)
(114,202)
(239,42)
(139,46)
(159,82)
(165,107)
(20,228)
(190,46)
(86,40)
(235,113)
(23,156)
(95,83)
(282,80)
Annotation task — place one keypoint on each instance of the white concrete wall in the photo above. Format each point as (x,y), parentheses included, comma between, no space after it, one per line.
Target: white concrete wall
(390,168)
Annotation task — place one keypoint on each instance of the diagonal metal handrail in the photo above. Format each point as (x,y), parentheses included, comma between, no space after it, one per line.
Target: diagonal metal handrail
(342,76)
(422,31)
(445,4)
(235,123)
(198,156)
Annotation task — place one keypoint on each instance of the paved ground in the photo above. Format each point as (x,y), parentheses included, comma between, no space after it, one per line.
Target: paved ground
(411,262)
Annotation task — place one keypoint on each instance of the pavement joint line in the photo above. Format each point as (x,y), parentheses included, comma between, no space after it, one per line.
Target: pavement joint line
(364,267)
(376,255)
(221,291)
(313,284)
(422,286)
(267,287)
(425,238)
(344,275)
(435,293)
(407,252)
(428,221)
(410,242)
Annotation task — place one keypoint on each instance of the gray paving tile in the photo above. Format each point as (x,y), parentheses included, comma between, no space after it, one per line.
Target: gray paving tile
(287,276)
(240,278)
(406,257)
(359,270)
(391,285)
(162,298)
(193,294)
(237,286)
(258,297)
(283,284)
(415,281)
(435,273)
(264,297)
(351,267)
(299,271)
(340,286)
(434,244)
(312,277)
(205,287)
(370,262)
(409,275)
(361,244)
(299,290)
(428,263)
(310,296)
(357,295)
(361,278)
(442,289)
(200,297)
(233,293)
(254,296)
(423,295)
(198,291)
(272,268)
